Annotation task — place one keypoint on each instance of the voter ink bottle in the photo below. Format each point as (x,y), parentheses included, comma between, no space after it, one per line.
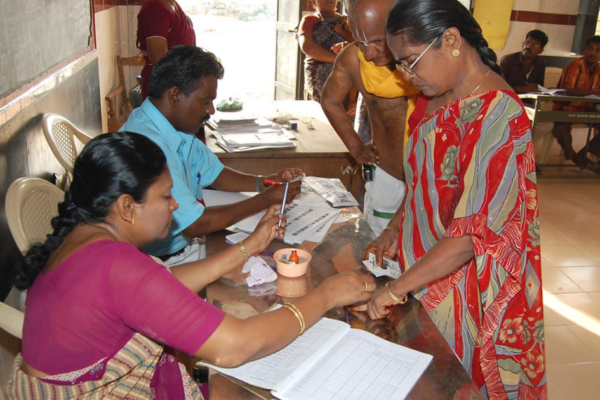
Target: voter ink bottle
(294,259)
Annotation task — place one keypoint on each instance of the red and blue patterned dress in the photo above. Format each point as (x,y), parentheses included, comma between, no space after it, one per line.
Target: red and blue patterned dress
(470,170)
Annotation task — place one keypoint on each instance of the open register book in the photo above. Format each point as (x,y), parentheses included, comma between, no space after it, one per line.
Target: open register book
(333,361)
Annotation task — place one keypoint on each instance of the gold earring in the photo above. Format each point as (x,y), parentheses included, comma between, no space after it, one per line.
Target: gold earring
(455,53)
(133,219)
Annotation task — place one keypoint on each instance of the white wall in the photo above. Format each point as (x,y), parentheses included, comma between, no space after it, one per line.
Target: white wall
(560,36)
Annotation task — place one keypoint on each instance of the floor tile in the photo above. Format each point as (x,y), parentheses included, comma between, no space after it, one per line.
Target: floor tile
(553,394)
(551,318)
(568,256)
(586,303)
(551,236)
(589,337)
(563,347)
(588,278)
(555,281)
(588,236)
(575,382)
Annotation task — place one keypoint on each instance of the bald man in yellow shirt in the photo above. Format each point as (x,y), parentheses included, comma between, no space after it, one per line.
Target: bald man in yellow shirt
(369,66)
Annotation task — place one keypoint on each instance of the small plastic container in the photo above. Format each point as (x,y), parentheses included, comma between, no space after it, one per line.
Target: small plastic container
(291,270)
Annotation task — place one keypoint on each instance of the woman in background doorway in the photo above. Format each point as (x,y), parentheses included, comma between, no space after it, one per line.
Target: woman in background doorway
(162,24)
(317,34)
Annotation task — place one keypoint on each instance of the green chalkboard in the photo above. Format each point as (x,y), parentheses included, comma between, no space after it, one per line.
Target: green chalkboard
(37,35)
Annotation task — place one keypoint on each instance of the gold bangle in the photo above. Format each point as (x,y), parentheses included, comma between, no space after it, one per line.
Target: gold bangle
(298,316)
(391,229)
(393,296)
(243,250)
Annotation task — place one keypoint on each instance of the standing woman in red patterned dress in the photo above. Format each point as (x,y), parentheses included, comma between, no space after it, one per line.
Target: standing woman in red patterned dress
(468,241)
(162,24)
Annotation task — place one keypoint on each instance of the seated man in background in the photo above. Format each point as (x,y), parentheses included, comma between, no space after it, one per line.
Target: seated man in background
(580,78)
(182,88)
(369,66)
(524,70)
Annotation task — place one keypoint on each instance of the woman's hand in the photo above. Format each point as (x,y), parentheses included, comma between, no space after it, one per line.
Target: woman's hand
(347,288)
(384,246)
(380,304)
(266,231)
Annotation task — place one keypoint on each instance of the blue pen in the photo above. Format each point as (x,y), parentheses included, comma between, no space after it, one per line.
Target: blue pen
(199,177)
(287,184)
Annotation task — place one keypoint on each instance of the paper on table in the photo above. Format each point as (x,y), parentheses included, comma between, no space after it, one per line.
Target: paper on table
(549,91)
(392,268)
(258,139)
(236,237)
(220,198)
(338,197)
(332,361)
(302,220)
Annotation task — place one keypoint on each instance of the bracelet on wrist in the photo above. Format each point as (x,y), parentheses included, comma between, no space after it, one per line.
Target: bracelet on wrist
(243,250)
(257,184)
(298,316)
(393,296)
(390,228)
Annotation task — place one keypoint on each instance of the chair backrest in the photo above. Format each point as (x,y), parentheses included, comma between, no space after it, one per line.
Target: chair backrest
(552,76)
(60,134)
(31,203)
(11,320)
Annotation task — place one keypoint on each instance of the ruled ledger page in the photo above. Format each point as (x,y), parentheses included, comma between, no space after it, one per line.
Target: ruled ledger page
(280,369)
(361,366)
(332,361)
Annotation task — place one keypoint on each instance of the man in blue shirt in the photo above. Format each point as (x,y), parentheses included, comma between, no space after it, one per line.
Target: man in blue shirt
(182,88)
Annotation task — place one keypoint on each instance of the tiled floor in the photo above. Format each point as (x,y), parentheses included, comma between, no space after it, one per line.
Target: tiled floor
(570,240)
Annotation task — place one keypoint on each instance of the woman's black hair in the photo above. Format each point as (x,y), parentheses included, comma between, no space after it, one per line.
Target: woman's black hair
(109,166)
(422,21)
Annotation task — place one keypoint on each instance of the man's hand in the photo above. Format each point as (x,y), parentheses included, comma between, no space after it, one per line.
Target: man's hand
(366,154)
(287,174)
(274,194)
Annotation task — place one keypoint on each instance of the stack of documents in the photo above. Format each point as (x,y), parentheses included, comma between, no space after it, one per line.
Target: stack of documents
(263,138)
(238,131)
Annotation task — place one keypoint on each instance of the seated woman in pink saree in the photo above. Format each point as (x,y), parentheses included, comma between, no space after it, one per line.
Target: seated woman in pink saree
(469,235)
(102,317)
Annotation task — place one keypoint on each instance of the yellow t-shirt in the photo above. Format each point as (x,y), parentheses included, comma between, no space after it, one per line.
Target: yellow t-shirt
(383,82)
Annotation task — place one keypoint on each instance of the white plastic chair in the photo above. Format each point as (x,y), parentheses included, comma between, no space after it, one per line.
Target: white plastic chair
(60,134)
(11,320)
(31,203)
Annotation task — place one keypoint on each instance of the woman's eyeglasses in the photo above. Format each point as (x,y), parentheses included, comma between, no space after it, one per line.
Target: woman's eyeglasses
(408,69)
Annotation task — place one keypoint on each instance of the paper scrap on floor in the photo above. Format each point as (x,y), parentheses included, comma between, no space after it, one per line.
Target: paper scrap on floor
(334,194)
(392,268)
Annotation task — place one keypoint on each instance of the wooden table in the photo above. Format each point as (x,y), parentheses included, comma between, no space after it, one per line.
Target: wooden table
(590,118)
(342,250)
(319,152)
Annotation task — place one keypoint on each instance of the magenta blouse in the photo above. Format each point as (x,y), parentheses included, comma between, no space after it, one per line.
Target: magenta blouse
(90,305)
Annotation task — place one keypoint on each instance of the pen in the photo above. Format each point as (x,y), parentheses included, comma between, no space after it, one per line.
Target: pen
(272,182)
(287,184)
